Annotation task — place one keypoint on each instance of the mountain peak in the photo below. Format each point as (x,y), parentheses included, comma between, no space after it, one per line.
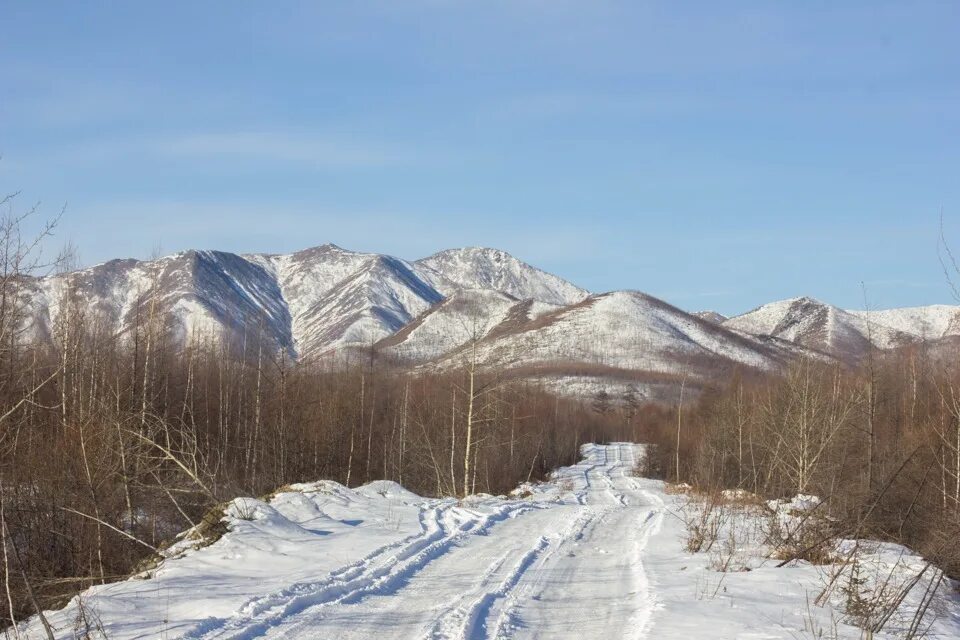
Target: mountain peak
(489,253)
(485,268)
(710,316)
(808,300)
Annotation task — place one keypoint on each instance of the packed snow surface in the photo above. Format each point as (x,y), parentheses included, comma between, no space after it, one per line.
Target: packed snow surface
(592,553)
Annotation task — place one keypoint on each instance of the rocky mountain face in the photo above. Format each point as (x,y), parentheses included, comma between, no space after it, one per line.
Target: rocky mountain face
(325,303)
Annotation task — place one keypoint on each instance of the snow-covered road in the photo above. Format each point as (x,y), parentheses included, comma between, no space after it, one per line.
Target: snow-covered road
(566,564)
(593,553)
(551,566)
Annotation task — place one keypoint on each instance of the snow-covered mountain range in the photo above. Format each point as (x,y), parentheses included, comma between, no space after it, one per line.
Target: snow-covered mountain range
(325,303)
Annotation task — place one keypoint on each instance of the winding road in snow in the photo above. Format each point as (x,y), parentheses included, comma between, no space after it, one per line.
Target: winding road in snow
(565,563)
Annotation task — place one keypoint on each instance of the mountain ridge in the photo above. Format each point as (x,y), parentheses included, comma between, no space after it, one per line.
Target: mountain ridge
(327,303)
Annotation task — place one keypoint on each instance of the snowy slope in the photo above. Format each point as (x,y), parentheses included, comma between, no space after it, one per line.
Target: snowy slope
(314,301)
(480,268)
(467,315)
(624,330)
(818,325)
(807,322)
(593,553)
(205,291)
(305,277)
(376,301)
(318,302)
(927,323)
(339,298)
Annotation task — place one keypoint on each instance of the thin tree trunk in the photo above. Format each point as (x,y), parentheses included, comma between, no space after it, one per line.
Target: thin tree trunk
(468,437)
(683,385)
(6,563)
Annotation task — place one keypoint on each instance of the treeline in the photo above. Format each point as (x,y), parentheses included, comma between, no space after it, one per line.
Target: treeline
(111,444)
(879,442)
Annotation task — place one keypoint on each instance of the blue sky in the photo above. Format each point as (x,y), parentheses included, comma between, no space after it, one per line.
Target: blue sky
(719,155)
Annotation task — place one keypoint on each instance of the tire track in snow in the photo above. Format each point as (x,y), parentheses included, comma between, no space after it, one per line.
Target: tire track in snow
(604,480)
(636,519)
(430,530)
(451,623)
(477,620)
(468,618)
(506,621)
(643,616)
(382,572)
(468,621)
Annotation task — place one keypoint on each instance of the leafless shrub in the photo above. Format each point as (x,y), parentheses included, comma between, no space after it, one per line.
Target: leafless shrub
(703,517)
(87,624)
(244,508)
(733,554)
